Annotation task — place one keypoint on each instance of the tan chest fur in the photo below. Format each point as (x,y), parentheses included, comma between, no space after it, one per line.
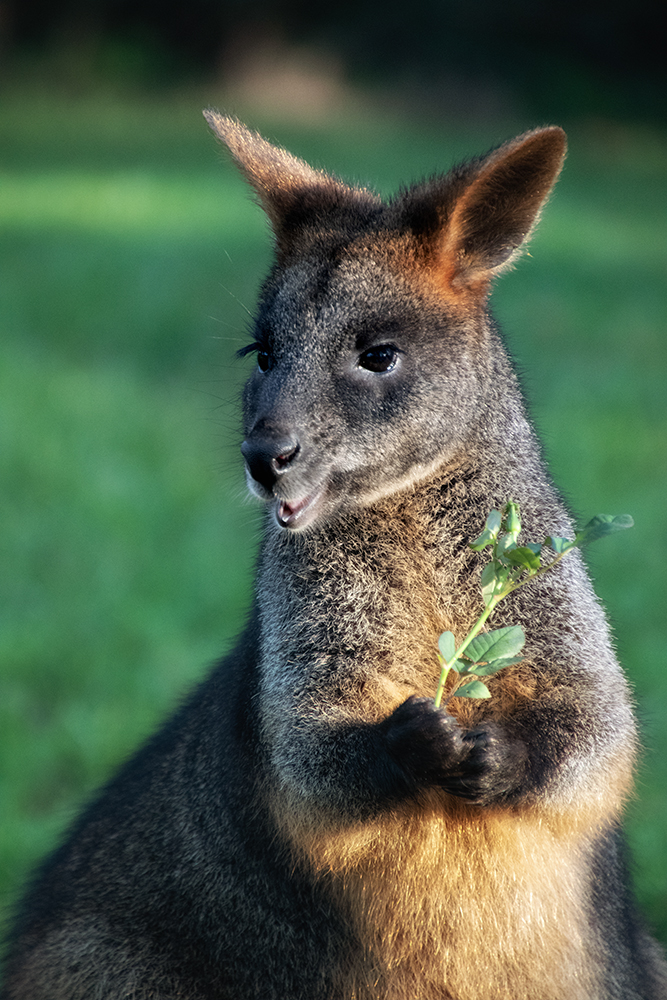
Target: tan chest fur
(419,886)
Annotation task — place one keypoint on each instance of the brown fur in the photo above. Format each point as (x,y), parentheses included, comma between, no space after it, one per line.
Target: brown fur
(472,889)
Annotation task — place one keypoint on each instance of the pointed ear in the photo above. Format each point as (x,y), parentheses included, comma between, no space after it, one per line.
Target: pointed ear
(288,189)
(497,209)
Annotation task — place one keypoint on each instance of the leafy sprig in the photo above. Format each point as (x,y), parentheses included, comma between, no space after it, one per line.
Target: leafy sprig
(512,566)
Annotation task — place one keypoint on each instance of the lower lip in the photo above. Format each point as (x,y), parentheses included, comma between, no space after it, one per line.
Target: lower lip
(297,515)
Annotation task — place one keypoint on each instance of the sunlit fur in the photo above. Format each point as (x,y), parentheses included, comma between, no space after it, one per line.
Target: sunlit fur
(491,906)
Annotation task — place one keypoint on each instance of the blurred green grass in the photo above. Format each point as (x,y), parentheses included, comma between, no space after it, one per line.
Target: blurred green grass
(130,254)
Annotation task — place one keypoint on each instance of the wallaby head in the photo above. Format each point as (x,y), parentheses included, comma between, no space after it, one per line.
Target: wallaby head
(375,359)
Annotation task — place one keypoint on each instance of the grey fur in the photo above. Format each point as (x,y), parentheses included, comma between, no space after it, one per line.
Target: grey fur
(308,826)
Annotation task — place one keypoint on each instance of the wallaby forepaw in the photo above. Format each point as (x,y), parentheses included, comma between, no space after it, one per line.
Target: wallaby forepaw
(482,765)
(492,770)
(424,741)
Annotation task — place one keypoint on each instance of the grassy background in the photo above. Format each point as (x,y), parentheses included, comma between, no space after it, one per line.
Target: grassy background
(129,256)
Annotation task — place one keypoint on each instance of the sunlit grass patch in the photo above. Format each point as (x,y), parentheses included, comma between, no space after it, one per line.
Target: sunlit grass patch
(127,203)
(126,553)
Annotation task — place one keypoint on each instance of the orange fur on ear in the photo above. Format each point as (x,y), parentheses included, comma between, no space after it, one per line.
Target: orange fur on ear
(500,207)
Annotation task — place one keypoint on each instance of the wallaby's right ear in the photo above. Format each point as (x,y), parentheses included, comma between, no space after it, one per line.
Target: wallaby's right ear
(493,205)
(289,190)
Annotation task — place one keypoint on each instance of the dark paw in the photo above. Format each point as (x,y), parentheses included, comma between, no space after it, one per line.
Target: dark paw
(424,740)
(481,765)
(492,770)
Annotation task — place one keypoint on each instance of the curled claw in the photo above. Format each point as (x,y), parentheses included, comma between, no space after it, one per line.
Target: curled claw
(492,770)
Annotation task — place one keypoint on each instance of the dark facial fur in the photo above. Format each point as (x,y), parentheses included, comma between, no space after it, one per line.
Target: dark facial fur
(355,399)
(309,826)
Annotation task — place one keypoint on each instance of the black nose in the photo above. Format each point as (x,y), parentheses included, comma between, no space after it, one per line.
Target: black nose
(268,457)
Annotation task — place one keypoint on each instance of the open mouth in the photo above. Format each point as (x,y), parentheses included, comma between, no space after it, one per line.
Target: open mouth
(298,513)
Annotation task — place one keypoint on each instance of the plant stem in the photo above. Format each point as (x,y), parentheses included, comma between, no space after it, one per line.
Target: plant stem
(475,630)
(509,587)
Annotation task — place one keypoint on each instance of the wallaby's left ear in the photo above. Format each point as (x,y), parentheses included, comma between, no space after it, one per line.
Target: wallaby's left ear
(291,192)
(279,178)
(496,210)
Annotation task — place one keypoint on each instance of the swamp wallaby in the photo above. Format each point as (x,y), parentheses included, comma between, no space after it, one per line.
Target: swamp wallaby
(309,826)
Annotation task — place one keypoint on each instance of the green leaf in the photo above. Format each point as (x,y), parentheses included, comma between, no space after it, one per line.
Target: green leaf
(447,646)
(502,642)
(493,522)
(560,545)
(504,544)
(525,557)
(481,543)
(601,525)
(490,533)
(490,581)
(512,521)
(493,666)
(493,579)
(472,689)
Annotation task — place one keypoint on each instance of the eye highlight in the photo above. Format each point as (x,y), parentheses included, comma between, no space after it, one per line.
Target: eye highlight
(382,358)
(264,359)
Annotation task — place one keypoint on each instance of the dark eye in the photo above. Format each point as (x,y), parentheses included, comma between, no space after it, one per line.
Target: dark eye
(379,359)
(263,360)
